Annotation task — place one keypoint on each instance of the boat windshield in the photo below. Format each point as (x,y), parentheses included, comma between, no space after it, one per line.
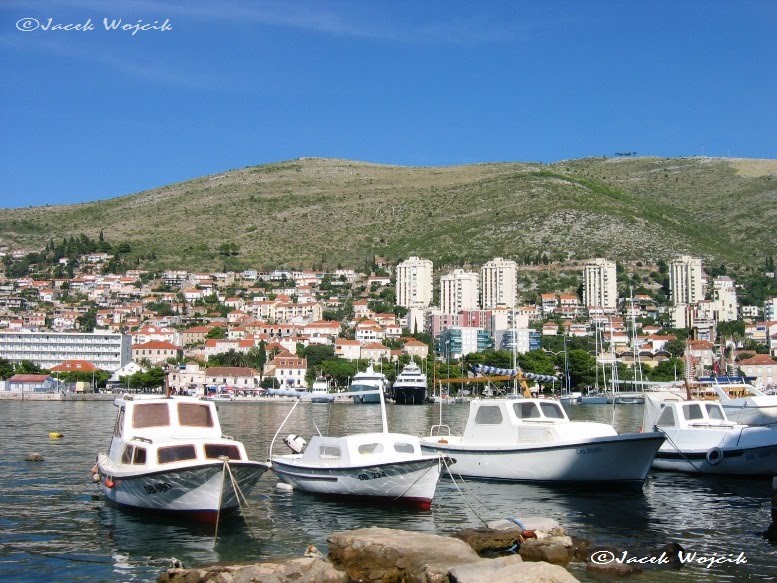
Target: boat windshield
(151,415)
(216,450)
(692,411)
(195,415)
(526,410)
(715,412)
(551,410)
(176,453)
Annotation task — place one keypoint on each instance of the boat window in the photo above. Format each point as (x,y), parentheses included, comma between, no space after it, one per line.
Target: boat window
(488,415)
(367,448)
(194,415)
(526,410)
(329,452)
(175,453)
(126,456)
(692,411)
(214,451)
(404,447)
(715,412)
(551,410)
(140,456)
(151,415)
(118,428)
(667,418)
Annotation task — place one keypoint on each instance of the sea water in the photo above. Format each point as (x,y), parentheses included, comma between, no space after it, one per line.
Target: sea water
(55,526)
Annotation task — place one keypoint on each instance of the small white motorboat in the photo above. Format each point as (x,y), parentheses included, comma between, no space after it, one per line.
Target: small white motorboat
(168,454)
(379,466)
(533,440)
(700,439)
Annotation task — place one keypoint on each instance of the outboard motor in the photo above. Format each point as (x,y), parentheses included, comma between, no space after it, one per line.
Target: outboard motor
(295,443)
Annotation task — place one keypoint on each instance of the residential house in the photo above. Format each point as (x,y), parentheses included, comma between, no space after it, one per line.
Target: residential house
(762,367)
(348,349)
(157,352)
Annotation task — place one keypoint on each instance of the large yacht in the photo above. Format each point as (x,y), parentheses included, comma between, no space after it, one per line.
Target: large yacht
(410,386)
(368,380)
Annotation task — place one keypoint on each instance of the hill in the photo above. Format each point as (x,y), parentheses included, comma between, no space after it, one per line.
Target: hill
(314,211)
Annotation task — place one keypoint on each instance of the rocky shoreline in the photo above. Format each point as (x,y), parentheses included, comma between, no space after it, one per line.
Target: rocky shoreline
(535,549)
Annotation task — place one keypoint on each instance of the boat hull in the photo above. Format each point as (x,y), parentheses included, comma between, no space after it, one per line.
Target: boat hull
(410,395)
(616,460)
(748,461)
(201,491)
(411,482)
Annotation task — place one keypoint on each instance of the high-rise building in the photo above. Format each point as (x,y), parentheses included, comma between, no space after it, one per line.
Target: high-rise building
(724,297)
(685,280)
(600,288)
(106,350)
(459,291)
(414,283)
(498,283)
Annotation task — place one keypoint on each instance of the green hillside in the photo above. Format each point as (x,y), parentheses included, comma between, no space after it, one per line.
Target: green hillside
(310,212)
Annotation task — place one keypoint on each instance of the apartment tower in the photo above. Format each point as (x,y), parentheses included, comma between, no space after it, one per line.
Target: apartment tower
(459,291)
(414,283)
(498,283)
(600,288)
(685,280)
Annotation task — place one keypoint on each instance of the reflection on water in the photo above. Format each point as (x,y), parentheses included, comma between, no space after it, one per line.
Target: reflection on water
(55,526)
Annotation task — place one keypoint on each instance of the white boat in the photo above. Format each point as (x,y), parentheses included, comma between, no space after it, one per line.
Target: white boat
(573,398)
(745,404)
(319,392)
(377,466)
(700,439)
(534,440)
(168,454)
(365,384)
(410,386)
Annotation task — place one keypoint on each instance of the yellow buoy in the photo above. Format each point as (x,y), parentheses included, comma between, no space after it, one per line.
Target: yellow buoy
(55,434)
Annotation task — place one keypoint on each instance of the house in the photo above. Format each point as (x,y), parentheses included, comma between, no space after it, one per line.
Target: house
(548,303)
(289,370)
(415,347)
(156,351)
(762,367)
(375,352)
(348,349)
(75,365)
(31,383)
(232,377)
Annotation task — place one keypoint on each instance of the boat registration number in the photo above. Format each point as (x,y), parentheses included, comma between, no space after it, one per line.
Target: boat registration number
(158,488)
(587,450)
(372,475)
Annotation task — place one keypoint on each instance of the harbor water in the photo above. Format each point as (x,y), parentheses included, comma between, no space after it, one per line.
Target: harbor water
(54,525)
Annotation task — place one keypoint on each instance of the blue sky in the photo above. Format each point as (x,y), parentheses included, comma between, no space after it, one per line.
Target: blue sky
(94,114)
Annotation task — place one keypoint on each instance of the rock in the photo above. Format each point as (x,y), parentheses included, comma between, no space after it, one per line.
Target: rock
(543,526)
(509,570)
(305,570)
(485,540)
(613,569)
(33,457)
(551,549)
(669,555)
(388,555)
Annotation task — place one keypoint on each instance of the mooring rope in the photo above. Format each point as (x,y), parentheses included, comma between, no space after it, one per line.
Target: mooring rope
(475,512)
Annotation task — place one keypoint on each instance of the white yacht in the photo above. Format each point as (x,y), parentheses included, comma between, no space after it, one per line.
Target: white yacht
(368,380)
(410,386)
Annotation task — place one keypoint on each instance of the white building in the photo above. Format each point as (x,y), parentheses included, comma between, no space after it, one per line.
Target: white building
(107,351)
(724,297)
(600,288)
(459,291)
(686,280)
(770,309)
(414,283)
(498,280)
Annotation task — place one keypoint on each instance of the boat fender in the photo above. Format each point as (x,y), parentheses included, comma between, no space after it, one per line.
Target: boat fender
(55,435)
(109,482)
(283,487)
(295,443)
(714,456)
(443,441)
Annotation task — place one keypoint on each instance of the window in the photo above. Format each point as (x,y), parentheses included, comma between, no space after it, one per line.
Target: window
(214,451)
(526,410)
(692,411)
(488,415)
(193,415)
(175,453)
(151,415)
(368,448)
(715,412)
(117,429)
(667,418)
(551,410)
(404,447)
(329,452)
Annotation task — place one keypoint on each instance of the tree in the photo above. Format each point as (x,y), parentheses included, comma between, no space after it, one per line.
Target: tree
(318,353)
(217,332)
(6,368)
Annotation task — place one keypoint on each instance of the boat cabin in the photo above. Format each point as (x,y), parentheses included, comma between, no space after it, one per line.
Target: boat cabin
(689,415)
(512,420)
(359,449)
(166,430)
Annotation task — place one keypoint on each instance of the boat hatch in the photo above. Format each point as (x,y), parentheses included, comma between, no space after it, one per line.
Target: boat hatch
(216,450)
(133,455)
(176,453)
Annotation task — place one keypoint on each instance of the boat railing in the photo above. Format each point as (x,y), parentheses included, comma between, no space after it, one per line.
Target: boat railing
(143,439)
(436,431)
